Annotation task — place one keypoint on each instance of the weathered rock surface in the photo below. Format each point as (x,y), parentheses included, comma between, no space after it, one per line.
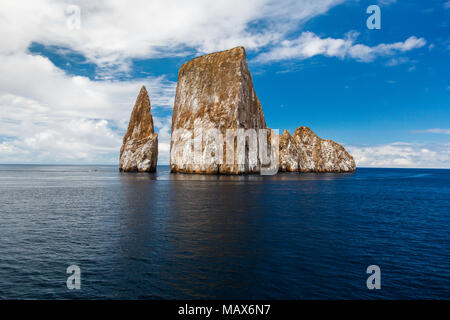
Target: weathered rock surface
(215,92)
(316,154)
(139,152)
(289,153)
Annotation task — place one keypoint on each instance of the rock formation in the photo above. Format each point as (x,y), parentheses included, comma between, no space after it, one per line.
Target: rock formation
(139,152)
(214,93)
(214,96)
(312,153)
(289,153)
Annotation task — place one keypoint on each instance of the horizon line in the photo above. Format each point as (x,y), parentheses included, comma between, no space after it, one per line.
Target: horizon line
(160,165)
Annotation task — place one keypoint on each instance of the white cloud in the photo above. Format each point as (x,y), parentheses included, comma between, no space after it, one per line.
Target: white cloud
(164,124)
(114,31)
(309,45)
(397,61)
(434,130)
(386,2)
(37,78)
(402,155)
(447,5)
(49,116)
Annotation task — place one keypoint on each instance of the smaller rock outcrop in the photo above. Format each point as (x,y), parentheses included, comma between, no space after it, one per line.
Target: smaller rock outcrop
(139,152)
(306,152)
(320,155)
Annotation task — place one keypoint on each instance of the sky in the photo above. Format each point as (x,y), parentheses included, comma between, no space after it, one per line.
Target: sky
(71,72)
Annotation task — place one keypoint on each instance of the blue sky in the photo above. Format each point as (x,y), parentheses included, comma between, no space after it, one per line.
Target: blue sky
(68,89)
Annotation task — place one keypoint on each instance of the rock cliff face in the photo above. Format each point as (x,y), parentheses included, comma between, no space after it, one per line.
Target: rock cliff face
(289,153)
(313,154)
(139,152)
(214,93)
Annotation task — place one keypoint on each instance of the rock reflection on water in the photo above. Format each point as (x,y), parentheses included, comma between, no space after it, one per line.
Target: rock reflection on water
(211,236)
(281,176)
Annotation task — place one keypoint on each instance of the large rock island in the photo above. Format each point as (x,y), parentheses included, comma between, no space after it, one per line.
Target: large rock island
(139,152)
(214,92)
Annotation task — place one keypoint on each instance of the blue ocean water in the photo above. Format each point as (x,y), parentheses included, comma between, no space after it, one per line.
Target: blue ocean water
(166,236)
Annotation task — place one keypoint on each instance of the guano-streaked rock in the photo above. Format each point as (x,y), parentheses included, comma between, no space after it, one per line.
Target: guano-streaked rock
(289,153)
(320,155)
(214,93)
(139,152)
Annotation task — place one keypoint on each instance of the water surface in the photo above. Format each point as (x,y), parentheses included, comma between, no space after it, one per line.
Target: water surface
(166,236)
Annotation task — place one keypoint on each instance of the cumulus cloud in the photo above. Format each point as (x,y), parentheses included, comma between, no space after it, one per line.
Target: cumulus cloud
(309,45)
(111,32)
(49,116)
(402,155)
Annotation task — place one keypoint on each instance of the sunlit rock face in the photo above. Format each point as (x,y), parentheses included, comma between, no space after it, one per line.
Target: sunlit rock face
(214,94)
(139,152)
(320,155)
(289,153)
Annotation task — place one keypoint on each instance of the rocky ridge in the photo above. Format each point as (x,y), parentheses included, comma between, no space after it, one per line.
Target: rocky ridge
(306,152)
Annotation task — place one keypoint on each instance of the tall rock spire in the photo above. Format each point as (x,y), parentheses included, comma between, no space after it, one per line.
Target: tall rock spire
(139,152)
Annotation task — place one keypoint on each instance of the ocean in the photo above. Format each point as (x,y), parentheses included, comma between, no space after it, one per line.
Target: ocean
(175,236)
